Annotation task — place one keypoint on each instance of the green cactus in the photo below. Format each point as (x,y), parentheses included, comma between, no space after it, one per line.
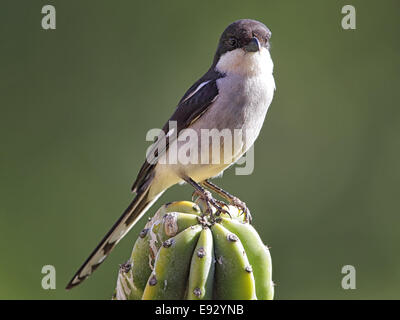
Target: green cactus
(182,253)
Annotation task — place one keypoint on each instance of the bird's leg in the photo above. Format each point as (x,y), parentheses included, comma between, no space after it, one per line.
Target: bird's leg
(206,196)
(230,198)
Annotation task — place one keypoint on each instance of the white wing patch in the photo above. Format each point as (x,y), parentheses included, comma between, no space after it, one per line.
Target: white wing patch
(201,85)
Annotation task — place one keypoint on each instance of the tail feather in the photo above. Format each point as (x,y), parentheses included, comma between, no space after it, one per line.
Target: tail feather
(131,215)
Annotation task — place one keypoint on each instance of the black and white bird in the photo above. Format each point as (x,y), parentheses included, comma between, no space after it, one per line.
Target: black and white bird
(234,93)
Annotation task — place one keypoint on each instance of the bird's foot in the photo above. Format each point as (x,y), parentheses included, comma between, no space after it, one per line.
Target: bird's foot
(231,199)
(241,206)
(222,204)
(210,202)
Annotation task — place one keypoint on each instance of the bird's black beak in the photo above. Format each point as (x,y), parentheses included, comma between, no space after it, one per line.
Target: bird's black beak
(253,45)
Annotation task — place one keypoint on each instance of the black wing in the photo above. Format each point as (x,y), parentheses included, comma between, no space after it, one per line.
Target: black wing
(192,105)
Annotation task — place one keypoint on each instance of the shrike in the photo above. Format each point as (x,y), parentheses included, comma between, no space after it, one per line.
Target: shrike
(233,94)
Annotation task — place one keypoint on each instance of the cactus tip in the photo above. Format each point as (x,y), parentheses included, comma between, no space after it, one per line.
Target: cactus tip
(168,243)
(232,237)
(153,280)
(197,292)
(201,252)
(143,233)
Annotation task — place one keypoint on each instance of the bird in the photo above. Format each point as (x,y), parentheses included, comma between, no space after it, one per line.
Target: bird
(235,94)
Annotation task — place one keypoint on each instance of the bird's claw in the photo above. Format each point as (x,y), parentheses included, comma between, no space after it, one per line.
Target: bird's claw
(242,206)
(210,203)
(221,206)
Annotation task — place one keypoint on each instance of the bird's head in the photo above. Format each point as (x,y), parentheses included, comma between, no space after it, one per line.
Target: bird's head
(242,47)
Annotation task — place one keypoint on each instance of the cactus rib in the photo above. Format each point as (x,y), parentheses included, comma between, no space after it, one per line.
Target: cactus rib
(232,276)
(171,270)
(258,255)
(202,266)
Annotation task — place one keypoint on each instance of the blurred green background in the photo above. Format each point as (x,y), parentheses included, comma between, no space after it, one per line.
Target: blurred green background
(76,103)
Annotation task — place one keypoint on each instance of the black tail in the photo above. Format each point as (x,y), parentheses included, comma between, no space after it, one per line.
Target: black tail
(131,215)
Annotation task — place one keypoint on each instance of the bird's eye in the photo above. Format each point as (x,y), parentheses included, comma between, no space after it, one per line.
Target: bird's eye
(232,42)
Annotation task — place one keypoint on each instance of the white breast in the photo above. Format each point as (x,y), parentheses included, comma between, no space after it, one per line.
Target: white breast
(247,89)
